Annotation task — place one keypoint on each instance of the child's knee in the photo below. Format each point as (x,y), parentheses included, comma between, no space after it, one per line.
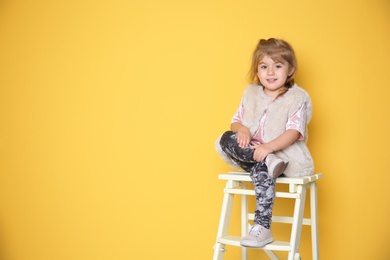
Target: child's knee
(228,136)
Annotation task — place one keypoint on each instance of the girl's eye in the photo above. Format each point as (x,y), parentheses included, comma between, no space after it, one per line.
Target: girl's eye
(263,67)
(278,66)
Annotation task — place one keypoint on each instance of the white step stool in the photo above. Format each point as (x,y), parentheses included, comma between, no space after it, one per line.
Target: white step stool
(236,183)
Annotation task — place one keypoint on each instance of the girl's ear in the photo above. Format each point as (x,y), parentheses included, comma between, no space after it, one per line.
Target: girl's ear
(292,70)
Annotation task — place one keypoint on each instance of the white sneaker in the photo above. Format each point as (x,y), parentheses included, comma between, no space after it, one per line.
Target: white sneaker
(275,165)
(258,236)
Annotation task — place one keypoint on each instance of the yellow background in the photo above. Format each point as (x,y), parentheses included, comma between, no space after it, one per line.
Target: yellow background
(109,111)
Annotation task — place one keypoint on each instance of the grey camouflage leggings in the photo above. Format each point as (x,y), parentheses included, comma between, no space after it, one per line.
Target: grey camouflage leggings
(264,184)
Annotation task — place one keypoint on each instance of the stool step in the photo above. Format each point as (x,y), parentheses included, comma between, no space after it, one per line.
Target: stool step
(276,245)
(283,219)
(252,192)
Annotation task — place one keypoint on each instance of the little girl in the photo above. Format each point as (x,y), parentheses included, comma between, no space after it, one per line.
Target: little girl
(269,131)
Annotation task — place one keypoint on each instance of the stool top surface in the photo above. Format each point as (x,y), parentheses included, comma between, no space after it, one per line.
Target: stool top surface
(244,176)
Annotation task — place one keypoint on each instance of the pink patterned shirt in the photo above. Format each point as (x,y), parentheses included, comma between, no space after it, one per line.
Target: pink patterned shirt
(296,121)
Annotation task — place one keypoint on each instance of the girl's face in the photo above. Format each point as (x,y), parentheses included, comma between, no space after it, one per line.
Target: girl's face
(273,75)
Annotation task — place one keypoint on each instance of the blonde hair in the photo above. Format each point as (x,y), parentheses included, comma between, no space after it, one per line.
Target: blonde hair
(278,50)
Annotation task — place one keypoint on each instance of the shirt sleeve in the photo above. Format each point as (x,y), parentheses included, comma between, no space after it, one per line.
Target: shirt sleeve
(297,121)
(239,115)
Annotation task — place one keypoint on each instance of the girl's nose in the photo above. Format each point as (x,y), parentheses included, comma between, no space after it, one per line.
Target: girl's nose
(270,71)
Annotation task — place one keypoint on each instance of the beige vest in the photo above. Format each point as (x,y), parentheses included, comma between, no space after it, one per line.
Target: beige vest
(255,103)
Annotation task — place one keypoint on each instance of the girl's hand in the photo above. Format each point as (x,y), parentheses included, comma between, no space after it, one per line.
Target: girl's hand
(261,152)
(243,136)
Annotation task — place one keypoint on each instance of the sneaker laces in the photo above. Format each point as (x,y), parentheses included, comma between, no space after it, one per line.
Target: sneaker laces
(256,230)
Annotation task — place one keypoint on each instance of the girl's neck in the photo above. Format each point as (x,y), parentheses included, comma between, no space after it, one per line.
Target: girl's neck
(274,94)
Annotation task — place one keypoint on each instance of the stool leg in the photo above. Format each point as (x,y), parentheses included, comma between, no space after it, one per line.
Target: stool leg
(244,220)
(224,221)
(314,220)
(271,255)
(297,222)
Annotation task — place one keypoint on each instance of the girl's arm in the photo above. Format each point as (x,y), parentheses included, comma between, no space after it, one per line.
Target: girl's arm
(243,134)
(281,142)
